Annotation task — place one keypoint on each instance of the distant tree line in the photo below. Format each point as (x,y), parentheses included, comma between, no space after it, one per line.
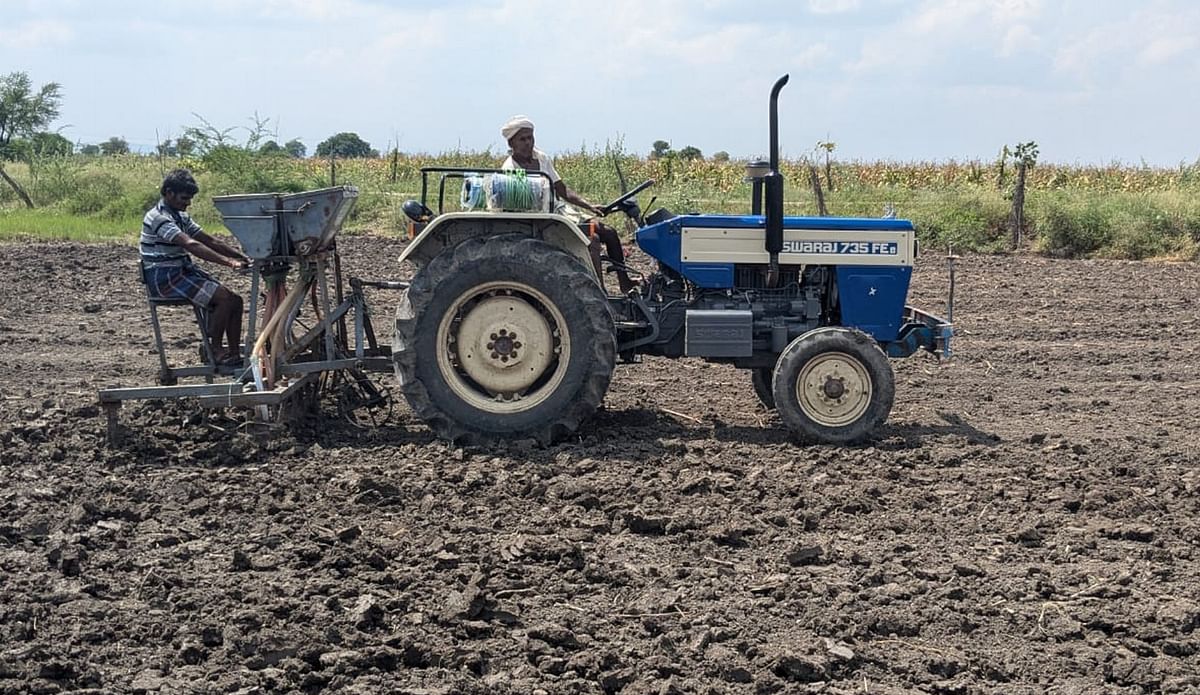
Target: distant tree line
(661,149)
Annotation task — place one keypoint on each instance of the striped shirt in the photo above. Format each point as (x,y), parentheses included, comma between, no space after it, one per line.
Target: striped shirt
(162,230)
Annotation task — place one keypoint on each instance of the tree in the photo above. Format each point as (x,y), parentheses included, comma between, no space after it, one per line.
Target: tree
(721,156)
(270,147)
(166,148)
(50,145)
(23,113)
(295,148)
(184,146)
(829,147)
(660,148)
(690,152)
(346,145)
(90,150)
(114,145)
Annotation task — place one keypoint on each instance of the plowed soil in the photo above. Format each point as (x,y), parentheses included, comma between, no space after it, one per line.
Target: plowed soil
(1027,522)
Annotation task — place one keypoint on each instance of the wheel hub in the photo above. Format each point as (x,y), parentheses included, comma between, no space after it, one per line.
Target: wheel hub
(834,389)
(504,347)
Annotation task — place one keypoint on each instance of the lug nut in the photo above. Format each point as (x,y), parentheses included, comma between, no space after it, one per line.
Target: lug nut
(494,336)
(491,346)
(503,332)
(516,344)
(503,358)
(495,355)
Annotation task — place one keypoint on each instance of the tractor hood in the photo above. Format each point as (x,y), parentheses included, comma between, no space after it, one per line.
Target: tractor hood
(704,248)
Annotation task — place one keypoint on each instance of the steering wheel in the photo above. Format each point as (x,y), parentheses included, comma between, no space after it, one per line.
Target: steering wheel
(616,204)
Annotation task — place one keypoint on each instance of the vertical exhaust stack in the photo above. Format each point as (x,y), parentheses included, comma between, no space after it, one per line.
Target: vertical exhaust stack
(773,188)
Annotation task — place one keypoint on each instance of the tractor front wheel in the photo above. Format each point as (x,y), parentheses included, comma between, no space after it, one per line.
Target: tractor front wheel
(833,386)
(504,338)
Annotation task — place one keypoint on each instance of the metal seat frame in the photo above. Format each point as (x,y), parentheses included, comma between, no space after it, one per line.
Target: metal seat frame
(169,375)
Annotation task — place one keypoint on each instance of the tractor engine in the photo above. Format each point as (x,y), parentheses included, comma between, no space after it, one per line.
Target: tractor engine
(757,317)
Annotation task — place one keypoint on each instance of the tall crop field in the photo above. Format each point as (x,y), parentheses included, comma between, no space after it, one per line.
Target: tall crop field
(1118,211)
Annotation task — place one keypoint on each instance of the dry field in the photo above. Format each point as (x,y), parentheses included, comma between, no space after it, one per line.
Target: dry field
(1028,522)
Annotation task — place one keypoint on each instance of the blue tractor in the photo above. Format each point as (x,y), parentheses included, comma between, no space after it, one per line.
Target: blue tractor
(506,330)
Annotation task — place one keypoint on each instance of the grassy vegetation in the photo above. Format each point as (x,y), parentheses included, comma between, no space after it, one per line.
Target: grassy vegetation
(1114,211)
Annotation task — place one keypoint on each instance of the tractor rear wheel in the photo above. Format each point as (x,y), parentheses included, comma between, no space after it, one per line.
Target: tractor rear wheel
(760,378)
(833,386)
(504,338)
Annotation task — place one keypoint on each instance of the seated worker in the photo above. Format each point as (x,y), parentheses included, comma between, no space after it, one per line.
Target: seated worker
(169,239)
(518,131)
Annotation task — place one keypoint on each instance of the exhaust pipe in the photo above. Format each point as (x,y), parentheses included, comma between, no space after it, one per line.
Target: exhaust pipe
(773,190)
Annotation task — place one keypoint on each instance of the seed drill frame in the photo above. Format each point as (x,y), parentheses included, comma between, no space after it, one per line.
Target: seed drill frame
(288,235)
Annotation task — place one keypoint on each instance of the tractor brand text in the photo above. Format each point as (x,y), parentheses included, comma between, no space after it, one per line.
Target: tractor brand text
(868,248)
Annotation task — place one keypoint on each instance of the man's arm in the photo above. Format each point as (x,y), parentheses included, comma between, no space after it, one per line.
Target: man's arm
(565,193)
(219,246)
(200,248)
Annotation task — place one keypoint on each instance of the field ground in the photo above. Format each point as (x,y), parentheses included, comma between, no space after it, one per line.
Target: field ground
(1028,522)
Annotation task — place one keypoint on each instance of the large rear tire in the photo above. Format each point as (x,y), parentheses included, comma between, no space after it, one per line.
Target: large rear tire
(760,378)
(833,386)
(504,338)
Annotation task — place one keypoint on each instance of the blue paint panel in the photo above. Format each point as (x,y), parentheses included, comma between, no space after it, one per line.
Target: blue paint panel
(664,242)
(872,298)
(710,275)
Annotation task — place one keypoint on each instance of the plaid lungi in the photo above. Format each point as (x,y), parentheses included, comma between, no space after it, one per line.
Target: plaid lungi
(182,282)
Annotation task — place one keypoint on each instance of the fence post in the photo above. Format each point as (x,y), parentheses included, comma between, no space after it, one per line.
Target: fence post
(1018,209)
(815,180)
(332,168)
(1026,154)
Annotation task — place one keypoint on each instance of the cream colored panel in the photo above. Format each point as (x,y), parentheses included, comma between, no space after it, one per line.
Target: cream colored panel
(800,246)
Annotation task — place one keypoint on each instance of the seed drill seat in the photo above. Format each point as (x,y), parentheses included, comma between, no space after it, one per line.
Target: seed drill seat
(167,374)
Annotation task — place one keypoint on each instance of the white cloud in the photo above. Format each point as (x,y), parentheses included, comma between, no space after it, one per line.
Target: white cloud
(833,6)
(940,31)
(691,71)
(1018,38)
(1123,47)
(1163,49)
(38,33)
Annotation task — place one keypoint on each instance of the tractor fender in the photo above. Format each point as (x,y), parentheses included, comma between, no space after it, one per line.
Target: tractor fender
(451,229)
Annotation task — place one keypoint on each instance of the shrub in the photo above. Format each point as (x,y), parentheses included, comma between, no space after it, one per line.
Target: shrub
(963,220)
(1071,229)
(94,192)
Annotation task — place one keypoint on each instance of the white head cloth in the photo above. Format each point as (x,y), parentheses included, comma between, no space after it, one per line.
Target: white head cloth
(510,127)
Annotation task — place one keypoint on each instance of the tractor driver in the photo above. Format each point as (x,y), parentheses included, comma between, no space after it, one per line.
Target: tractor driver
(169,235)
(518,131)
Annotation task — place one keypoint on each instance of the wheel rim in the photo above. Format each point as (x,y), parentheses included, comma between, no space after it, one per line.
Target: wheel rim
(503,347)
(834,389)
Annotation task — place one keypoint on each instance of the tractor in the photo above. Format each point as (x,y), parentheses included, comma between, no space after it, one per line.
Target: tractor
(506,330)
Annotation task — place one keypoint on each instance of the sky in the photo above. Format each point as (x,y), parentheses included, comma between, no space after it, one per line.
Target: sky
(1091,81)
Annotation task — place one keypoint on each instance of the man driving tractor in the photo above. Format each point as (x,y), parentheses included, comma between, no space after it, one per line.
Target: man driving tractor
(518,131)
